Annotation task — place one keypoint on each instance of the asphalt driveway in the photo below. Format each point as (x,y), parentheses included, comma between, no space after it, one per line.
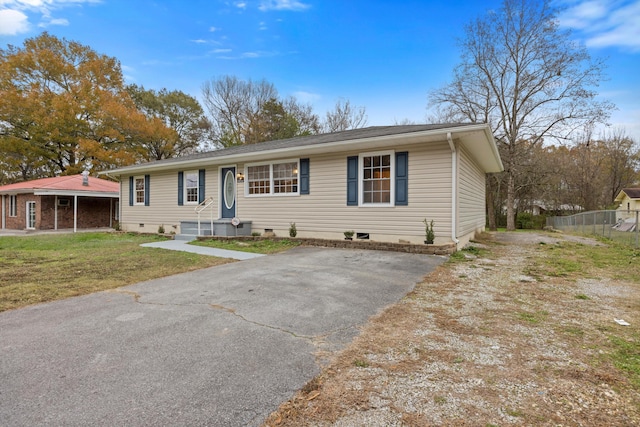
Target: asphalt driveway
(222,346)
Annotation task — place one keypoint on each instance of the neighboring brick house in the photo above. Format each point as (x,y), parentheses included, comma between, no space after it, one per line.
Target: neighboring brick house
(63,202)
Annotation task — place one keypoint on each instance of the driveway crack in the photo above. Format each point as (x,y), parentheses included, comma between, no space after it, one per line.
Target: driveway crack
(264,325)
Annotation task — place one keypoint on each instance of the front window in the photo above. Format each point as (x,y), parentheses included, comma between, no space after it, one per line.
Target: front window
(273,178)
(285,177)
(376,179)
(259,179)
(191,186)
(139,190)
(13,205)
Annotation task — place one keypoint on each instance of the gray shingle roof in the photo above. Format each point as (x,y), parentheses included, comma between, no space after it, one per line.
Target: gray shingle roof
(369,132)
(633,193)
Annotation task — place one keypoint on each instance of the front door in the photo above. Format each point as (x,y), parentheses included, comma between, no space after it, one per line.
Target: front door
(31,215)
(228,192)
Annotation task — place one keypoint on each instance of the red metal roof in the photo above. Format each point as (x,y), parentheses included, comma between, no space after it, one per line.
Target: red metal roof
(62,183)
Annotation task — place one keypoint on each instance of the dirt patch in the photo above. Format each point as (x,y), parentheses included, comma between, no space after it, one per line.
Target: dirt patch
(481,342)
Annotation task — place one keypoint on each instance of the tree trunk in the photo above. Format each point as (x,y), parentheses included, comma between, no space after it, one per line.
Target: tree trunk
(511,189)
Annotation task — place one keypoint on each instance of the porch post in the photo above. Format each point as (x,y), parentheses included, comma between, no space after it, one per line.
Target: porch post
(55,213)
(4,208)
(75,213)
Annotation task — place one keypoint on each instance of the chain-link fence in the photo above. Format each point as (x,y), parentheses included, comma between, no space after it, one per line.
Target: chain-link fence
(619,225)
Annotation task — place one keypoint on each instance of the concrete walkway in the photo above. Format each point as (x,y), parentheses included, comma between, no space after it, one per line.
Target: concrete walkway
(181,245)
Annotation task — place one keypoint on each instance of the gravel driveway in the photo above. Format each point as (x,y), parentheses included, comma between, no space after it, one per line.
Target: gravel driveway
(222,346)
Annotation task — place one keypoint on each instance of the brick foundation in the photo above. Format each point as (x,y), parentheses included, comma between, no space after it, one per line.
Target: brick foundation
(354,244)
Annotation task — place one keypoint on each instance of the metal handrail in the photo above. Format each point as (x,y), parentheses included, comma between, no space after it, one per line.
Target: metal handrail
(201,207)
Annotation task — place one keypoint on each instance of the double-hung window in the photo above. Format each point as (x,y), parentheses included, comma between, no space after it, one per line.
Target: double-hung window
(376,178)
(139,190)
(13,205)
(191,186)
(279,178)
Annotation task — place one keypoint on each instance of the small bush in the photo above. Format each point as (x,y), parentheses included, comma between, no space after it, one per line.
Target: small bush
(293,231)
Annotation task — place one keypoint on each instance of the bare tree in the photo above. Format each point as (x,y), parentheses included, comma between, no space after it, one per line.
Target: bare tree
(621,158)
(345,117)
(527,78)
(234,104)
(246,112)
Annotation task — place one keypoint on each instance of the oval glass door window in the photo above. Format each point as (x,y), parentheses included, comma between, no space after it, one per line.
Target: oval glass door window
(229,189)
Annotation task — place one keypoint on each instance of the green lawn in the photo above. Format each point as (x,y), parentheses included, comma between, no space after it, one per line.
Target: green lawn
(265,246)
(42,268)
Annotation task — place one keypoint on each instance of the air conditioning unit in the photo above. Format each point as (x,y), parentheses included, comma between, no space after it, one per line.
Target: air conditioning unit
(64,202)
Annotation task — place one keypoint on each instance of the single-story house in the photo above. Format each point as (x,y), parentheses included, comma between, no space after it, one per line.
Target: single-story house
(380,182)
(63,202)
(629,202)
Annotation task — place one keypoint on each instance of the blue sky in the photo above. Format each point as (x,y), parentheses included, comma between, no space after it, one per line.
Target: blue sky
(385,55)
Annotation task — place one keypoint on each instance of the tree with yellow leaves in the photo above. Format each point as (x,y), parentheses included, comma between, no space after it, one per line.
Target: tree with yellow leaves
(64,108)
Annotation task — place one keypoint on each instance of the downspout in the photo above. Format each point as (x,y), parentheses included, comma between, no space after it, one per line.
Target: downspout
(454,188)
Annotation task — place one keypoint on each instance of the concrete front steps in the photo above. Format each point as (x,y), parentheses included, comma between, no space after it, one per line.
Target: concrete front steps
(221,227)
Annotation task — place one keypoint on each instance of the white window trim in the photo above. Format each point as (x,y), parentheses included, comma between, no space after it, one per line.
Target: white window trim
(135,191)
(271,186)
(392,190)
(13,207)
(184,186)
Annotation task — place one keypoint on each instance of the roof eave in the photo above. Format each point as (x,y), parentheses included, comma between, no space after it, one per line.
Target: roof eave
(492,163)
(83,193)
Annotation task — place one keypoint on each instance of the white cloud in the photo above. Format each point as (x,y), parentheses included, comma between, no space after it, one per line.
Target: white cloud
(221,50)
(198,41)
(13,22)
(262,26)
(307,97)
(241,5)
(14,18)
(294,5)
(54,21)
(214,29)
(605,23)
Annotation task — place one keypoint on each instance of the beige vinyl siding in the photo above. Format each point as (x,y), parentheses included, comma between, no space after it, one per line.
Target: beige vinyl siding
(324,212)
(471,197)
(163,206)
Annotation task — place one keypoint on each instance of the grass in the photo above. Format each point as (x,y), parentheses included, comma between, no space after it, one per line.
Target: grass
(261,246)
(35,269)
(536,317)
(626,357)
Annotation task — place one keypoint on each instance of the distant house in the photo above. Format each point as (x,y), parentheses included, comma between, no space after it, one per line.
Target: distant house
(381,182)
(62,202)
(629,199)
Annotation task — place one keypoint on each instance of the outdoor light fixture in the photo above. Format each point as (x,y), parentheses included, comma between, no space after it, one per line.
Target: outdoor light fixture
(240,177)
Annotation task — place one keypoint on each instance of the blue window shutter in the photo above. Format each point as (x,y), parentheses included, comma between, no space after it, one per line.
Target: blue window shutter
(180,188)
(147,178)
(130,191)
(304,176)
(402,179)
(201,185)
(352,181)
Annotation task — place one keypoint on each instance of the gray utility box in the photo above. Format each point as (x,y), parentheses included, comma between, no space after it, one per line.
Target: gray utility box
(223,227)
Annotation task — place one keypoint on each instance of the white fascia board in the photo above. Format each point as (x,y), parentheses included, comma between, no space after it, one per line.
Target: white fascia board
(336,146)
(76,193)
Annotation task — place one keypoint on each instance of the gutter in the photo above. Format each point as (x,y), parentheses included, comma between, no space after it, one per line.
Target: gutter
(295,150)
(454,186)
